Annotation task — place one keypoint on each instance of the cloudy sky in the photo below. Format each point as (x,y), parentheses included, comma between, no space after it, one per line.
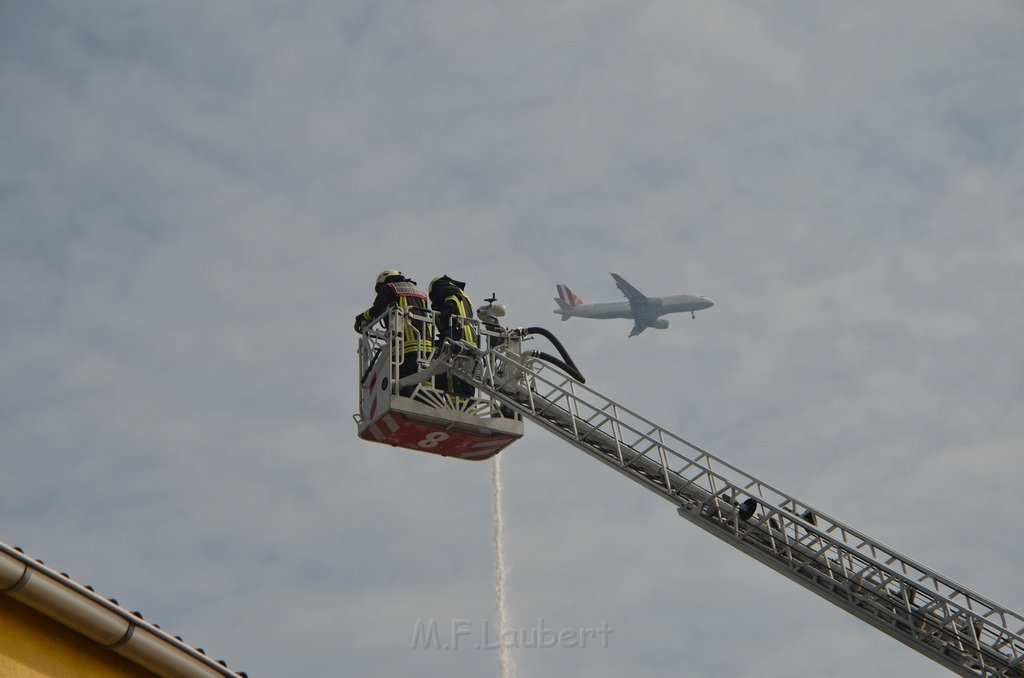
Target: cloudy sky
(196,197)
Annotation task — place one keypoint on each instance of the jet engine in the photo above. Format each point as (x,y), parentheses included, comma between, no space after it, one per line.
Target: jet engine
(660,324)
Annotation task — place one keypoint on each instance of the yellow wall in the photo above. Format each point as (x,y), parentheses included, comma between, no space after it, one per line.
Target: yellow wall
(32,645)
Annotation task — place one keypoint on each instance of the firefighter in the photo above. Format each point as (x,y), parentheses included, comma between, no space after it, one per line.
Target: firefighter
(394,289)
(448,298)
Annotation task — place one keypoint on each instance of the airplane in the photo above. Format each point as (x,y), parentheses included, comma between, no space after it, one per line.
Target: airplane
(644,311)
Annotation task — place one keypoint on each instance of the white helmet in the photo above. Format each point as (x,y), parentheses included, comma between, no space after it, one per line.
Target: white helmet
(386,273)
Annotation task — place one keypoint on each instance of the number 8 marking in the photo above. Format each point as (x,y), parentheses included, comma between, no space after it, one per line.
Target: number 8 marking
(432,439)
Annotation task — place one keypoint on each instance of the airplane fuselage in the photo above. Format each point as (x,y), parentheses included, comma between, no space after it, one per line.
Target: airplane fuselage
(643,310)
(655,307)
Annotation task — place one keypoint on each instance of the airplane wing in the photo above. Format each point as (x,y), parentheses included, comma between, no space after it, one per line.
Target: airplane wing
(637,299)
(638,327)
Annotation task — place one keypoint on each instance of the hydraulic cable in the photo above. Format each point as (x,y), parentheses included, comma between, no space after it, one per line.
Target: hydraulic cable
(566,363)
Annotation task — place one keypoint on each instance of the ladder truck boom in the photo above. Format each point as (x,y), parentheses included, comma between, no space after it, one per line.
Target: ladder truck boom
(934,615)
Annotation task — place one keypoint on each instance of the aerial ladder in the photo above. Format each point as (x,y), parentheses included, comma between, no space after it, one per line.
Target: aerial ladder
(930,613)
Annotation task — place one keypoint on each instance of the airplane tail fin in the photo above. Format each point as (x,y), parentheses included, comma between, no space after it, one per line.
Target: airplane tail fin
(566,301)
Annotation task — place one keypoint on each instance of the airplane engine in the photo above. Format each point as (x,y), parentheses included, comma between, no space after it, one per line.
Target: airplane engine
(660,324)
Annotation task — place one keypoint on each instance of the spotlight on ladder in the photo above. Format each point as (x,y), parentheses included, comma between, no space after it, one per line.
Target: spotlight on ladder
(490,313)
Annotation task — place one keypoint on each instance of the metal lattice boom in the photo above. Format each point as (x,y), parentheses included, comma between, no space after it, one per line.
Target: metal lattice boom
(930,613)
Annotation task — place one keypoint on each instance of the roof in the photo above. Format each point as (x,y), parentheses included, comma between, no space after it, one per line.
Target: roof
(102,620)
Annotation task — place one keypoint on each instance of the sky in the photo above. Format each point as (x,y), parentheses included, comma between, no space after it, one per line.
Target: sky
(196,198)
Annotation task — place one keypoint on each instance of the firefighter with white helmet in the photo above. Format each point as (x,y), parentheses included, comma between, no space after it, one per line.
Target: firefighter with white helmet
(394,289)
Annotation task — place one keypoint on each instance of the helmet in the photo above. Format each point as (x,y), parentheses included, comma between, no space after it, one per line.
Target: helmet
(446,279)
(386,273)
(443,285)
(430,288)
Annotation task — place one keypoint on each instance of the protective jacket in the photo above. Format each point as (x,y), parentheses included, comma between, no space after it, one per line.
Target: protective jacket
(449,299)
(397,290)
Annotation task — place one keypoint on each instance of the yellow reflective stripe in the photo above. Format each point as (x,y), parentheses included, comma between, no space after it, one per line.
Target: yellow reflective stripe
(415,341)
(463,305)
